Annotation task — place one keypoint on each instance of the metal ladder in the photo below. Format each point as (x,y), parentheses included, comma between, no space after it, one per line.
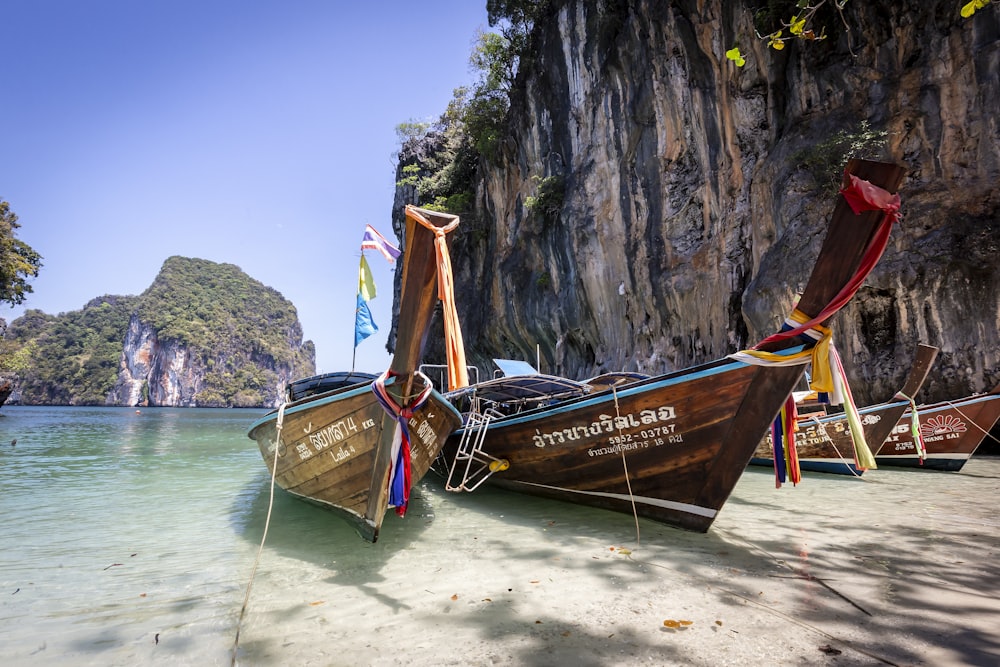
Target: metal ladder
(470,450)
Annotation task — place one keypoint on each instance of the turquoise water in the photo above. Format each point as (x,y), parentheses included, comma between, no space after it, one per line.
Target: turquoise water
(120,525)
(129,539)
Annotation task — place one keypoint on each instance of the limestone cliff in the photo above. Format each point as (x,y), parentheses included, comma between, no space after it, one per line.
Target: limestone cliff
(203,335)
(170,372)
(155,373)
(687,220)
(206,334)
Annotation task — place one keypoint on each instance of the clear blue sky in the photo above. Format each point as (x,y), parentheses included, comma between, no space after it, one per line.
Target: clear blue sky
(256,133)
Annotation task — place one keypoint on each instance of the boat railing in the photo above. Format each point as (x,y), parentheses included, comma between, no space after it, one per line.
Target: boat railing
(471,466)
(438,373)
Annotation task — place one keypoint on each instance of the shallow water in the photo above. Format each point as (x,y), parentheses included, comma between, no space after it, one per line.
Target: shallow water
(130,538)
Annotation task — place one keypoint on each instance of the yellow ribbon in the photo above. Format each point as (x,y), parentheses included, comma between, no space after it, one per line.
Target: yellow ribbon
(818,355)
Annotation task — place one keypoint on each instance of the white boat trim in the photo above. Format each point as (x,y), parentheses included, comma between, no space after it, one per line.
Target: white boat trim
(666,504)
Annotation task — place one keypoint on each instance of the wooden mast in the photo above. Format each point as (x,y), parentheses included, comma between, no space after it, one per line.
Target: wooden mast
(418,294)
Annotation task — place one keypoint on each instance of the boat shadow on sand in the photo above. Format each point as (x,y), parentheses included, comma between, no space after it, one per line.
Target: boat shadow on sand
(306,532)
(868,584)
(864,587)
(905,555)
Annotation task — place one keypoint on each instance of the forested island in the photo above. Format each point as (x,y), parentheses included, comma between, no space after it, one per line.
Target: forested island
(203,334)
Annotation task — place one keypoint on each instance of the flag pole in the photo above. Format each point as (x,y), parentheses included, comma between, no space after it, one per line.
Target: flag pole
(354,350)
(364,324)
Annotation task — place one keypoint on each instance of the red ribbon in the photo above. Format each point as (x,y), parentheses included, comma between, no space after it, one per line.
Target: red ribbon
(861,196)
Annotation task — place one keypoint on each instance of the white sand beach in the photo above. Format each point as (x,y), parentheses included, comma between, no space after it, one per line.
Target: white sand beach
(897,568)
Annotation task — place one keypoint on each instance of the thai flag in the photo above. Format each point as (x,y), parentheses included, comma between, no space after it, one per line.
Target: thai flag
(372,240)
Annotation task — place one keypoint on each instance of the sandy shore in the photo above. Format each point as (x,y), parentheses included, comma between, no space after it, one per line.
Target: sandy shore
(899,568)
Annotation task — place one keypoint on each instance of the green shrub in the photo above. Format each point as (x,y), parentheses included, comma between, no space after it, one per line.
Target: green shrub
(826,160)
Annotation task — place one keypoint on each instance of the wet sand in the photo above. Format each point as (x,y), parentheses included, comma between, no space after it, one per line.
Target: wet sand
(901,567)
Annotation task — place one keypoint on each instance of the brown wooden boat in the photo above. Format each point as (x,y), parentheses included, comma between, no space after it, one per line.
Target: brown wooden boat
(824,442)
(951,432)
(336,448)
(670,447)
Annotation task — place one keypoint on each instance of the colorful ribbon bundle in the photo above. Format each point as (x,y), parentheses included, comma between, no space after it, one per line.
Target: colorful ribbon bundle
(458,374)
(786,458)
(863,458)
(399,468)
(828,371)
(918,439)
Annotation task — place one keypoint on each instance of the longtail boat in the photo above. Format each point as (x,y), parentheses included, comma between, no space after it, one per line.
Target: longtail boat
(950,433)
(670,447)
(358,448)
(326,382)
(824,442)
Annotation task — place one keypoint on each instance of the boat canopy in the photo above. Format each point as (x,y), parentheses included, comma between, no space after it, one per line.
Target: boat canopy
(511,367)
(529,389)
(320,384)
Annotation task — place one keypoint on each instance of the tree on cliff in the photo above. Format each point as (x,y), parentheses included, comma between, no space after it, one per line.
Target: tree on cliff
(801,22)
(18,261)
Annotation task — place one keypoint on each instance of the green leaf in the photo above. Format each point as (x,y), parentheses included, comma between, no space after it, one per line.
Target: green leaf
(735,55)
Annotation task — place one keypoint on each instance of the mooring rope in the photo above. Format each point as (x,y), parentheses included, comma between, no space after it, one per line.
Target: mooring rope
(267,522)
(821,427)
(621,450)
(972,421)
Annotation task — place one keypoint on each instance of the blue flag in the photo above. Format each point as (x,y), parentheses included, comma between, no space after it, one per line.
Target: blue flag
(364,325)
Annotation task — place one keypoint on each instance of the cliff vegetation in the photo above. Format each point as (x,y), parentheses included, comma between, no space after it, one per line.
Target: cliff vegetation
(202,335)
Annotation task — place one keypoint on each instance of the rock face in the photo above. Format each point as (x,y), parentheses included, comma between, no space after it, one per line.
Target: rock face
(169,372)
(684,220)
(152,373)
(208,335)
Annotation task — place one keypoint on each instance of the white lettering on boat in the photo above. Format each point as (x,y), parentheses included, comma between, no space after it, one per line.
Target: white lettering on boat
(933,429)
(343,452)
(635,430)
(426,433)
(332,434)
(328,436)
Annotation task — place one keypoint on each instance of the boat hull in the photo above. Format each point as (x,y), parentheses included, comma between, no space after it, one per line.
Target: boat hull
(671,447)
(823,443)
(951,431)
(335,450)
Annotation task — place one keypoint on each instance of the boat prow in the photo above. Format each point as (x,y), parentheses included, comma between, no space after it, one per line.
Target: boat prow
(672,447)
(356,443)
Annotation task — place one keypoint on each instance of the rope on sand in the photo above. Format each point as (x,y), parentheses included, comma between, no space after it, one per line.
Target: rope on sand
(267,522)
